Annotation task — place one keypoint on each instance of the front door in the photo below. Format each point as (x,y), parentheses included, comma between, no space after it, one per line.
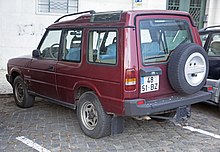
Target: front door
(43,69)
(69,67)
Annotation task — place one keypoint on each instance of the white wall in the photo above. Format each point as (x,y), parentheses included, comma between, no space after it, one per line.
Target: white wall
(111,5)
(213,11)
(104,5)
(21,27)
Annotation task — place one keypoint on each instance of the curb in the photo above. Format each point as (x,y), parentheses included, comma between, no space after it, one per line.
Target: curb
(9,95)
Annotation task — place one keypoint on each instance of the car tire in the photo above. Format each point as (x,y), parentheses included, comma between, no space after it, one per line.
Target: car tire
(22,98)
(93,120)
(188,68)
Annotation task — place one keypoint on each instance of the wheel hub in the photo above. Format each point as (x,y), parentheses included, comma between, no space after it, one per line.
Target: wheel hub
(89,115)
(19,92)
(195,69)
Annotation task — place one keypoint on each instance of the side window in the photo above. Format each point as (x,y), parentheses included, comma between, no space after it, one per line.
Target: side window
(203,38)
(102,47)
(72,45)
(51,44)
(214,45)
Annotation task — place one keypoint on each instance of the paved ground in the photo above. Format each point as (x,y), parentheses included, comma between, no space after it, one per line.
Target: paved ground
(56,129)
(49,127)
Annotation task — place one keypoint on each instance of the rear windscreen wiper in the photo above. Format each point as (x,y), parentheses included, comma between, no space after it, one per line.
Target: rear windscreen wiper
(155,57)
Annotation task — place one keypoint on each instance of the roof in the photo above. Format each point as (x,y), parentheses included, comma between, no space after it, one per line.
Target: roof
(210,28)
(111,19)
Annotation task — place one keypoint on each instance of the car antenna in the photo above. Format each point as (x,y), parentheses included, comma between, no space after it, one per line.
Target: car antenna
(91,12)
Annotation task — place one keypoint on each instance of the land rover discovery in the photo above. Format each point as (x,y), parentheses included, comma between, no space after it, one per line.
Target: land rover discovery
(114,64)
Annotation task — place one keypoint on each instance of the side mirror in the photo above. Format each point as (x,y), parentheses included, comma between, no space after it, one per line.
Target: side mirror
(36,53)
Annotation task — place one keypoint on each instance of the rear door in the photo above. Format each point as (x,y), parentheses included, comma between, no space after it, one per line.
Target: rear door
(157,37)
(89,59)
(42,69)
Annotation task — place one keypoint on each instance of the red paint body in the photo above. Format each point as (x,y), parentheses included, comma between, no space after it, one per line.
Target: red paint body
(106,81)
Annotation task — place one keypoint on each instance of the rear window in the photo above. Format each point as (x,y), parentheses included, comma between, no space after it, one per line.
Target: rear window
(158,37)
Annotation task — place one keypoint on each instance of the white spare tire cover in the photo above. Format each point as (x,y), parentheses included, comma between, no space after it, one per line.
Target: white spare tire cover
(188,68)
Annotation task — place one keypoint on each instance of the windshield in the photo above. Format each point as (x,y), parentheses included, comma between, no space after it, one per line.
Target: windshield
(161,36)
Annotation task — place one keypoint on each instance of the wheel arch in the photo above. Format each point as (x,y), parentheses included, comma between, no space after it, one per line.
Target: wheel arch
(14,73)
(82,87)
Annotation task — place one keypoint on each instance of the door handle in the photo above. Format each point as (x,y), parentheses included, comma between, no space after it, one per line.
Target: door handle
(51,68)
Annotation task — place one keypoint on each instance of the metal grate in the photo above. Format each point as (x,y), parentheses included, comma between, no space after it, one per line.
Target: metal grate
(173,4)
(58,6)
(195,9)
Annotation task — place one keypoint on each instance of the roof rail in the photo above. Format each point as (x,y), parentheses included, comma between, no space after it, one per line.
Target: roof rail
(212,27)
(91,12)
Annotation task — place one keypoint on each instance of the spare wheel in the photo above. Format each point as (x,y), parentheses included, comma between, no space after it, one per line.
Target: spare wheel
(188,68)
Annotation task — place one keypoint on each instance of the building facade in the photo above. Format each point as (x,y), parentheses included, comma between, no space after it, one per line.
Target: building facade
(23,22)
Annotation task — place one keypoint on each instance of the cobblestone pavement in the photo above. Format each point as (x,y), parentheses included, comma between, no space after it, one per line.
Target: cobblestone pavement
(56,129)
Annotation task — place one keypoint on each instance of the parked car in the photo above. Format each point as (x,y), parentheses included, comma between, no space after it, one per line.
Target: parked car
(210,37)
(114,64)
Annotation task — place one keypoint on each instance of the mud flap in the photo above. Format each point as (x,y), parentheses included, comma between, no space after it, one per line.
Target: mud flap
(117,125)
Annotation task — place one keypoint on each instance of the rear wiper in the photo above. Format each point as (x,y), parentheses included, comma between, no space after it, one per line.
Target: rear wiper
(155,57)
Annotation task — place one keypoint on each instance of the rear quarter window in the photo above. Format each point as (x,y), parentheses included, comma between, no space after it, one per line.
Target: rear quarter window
(102,47)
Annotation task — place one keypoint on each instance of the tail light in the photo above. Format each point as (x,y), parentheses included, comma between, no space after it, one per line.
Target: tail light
(209,88)
(130,80)
(141,102)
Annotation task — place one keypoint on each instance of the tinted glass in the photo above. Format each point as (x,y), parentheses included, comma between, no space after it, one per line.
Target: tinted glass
(112,17)
(102,47)
(51,44)
(72,45)
(161,36)
(203,38)
(214,45)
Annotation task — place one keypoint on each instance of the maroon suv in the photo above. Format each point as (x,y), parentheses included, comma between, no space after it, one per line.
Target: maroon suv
(113,64)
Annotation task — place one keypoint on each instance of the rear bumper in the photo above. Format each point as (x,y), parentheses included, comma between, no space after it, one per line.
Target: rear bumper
(161,105)
(216,89)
